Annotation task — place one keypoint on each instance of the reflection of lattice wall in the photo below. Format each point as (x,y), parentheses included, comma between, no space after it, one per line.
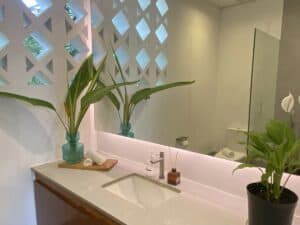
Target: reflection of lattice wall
(38,46)
(138,32)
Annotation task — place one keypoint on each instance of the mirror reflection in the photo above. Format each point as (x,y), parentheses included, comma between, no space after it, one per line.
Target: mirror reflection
(239,54)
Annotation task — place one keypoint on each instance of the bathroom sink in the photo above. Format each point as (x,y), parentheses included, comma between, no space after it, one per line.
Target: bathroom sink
(141,191)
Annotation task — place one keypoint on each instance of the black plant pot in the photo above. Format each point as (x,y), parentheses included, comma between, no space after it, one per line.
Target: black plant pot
(263,212)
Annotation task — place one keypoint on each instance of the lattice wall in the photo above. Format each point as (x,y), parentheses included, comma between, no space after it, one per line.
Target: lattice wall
(40,49)
(42,43)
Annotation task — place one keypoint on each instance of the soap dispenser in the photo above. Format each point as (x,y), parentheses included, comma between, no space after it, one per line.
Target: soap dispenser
(173,175)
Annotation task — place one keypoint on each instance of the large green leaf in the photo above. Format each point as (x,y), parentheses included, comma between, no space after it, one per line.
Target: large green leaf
(119,67)
(147,92)
(279,131)
(32,101)
(293,151)
(96,75)
(118,89)
(35,102)
(92,97)
(111,96)
(260,142)
(254,153)
(80,82)
(82,79)
(278,156)
(125,102)
(99,93)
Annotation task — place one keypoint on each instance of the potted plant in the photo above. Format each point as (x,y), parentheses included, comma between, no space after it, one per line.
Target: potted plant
(269,201)
(82,92)
(128,103)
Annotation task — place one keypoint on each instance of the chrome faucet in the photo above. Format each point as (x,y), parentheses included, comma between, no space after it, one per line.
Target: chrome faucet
(161,162)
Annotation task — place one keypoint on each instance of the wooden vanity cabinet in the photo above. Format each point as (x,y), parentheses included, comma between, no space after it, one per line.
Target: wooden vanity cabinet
(58,206)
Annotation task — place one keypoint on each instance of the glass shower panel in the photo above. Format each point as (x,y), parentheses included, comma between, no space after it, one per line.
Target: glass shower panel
(264,80)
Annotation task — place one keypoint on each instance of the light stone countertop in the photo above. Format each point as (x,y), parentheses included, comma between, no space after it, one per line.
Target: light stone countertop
(195,205)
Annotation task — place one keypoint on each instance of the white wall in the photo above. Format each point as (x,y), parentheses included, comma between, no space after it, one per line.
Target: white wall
(27,136)
(31,135)
(192,54)
(235,59)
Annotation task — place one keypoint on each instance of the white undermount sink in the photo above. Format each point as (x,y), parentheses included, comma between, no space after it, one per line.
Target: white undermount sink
(141,191)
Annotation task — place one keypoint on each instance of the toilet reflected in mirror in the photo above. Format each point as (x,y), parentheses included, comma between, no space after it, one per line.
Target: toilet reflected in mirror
(234,148)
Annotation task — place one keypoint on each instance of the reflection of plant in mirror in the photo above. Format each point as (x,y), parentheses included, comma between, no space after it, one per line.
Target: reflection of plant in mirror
(278,148)
(128,103)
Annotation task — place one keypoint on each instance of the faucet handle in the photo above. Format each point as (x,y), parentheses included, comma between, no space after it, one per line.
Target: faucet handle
(162,155)
(161,161)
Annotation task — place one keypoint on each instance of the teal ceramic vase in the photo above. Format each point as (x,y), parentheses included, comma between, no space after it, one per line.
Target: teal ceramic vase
(73,151)
(126,130)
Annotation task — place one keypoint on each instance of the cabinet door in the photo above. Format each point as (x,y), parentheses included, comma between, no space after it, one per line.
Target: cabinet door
(54,208)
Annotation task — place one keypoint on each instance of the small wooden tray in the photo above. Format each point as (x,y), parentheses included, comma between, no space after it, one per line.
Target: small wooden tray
(106,166)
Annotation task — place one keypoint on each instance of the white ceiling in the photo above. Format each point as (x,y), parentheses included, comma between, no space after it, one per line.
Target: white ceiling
(227,3)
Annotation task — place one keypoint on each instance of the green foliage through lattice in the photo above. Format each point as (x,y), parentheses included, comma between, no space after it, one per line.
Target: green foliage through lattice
(71,50)
(33,46)
(70,12)
(35,81)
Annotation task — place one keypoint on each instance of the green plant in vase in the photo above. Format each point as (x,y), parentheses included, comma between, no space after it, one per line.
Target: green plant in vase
(270,202)
(122,100)
(81,93)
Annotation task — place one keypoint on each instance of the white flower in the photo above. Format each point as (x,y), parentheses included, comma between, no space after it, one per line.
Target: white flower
(287,104)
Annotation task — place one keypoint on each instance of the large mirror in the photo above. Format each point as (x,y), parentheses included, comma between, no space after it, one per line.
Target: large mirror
(242,55)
